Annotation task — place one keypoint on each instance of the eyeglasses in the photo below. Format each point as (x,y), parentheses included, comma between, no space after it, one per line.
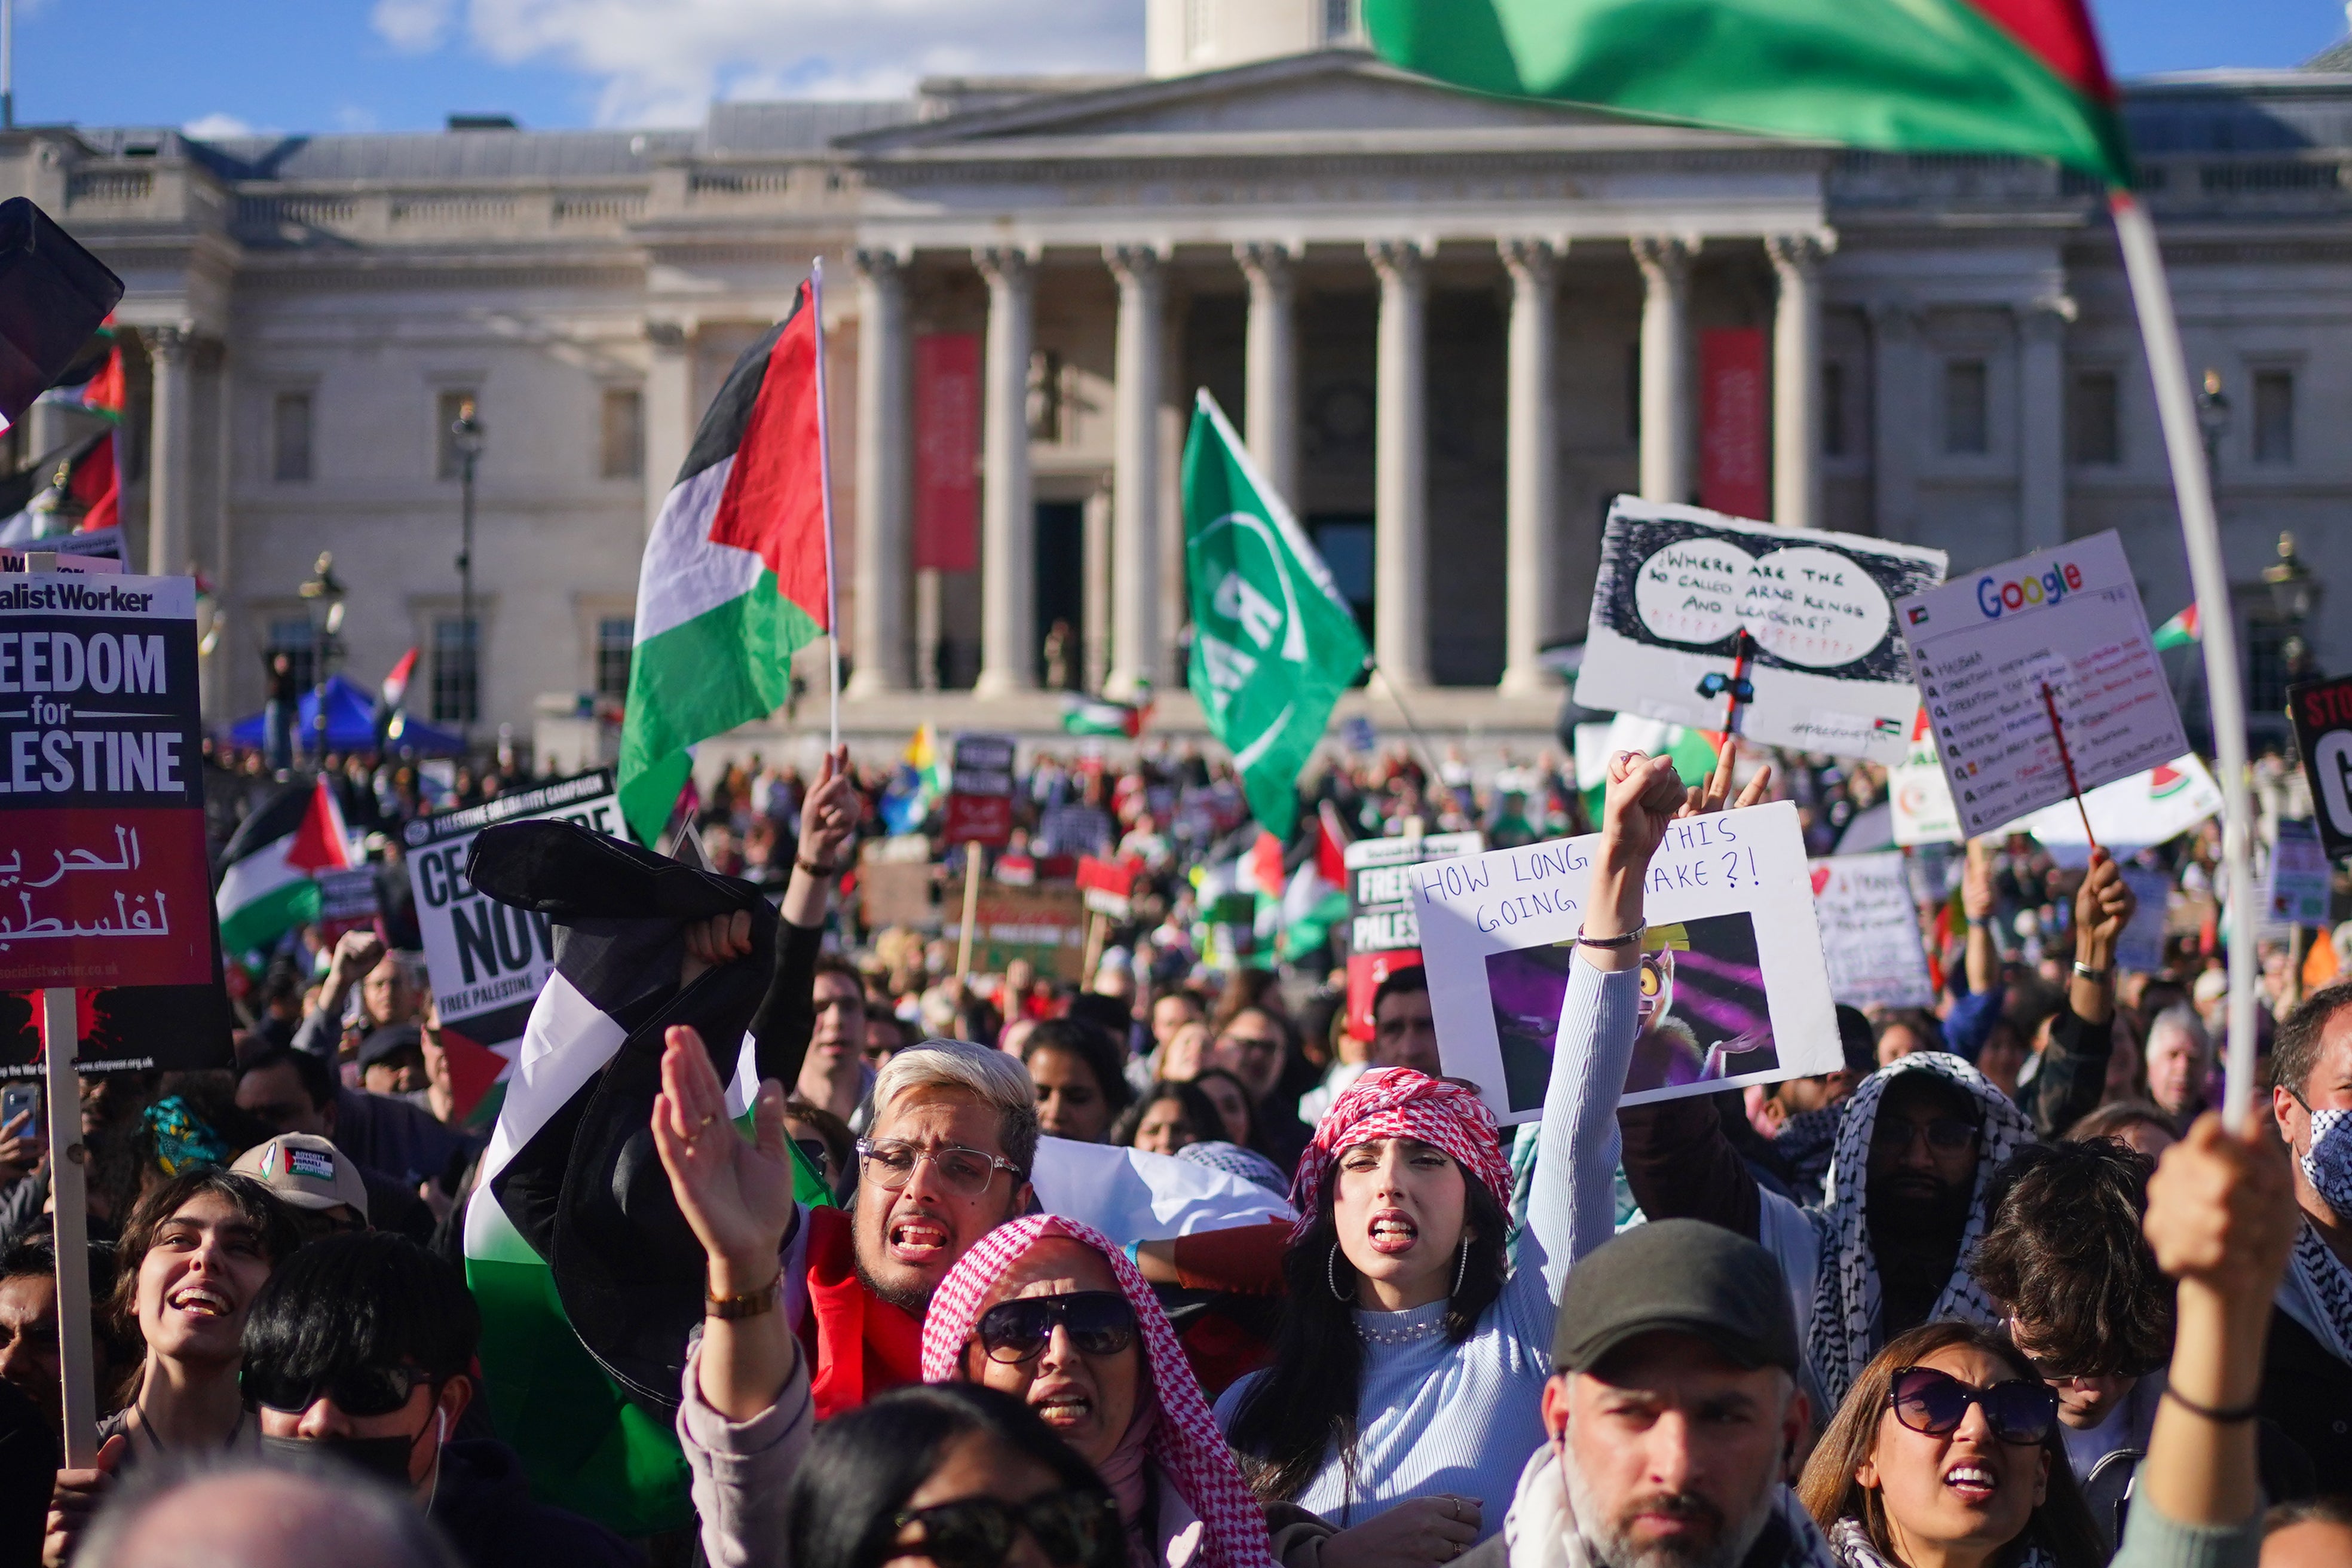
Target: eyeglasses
(966,1173)
(1071,1528)
(1936,1403)
(355,1390)
(1950,1134)
(1101,1323)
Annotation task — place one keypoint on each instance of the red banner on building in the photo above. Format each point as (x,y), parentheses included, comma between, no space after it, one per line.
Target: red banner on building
(946,452)
(1734,464)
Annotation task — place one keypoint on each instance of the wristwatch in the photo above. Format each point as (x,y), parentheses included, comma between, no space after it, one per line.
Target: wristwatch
(749,1304)
(813,868)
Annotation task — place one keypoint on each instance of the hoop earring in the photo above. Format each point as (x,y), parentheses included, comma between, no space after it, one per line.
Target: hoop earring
(1331,1275)
(1462,1269)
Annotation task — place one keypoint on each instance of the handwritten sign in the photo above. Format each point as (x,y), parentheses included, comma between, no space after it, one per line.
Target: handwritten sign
(489,961)
(2296,886)
(1986,648)
(1733,988)
(1383,936)
(1678,588)
(1870,932)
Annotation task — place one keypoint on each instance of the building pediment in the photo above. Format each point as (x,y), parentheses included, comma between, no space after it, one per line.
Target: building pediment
(1329,100)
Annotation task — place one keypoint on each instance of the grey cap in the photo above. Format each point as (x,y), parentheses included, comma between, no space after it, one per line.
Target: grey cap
(1681,1275)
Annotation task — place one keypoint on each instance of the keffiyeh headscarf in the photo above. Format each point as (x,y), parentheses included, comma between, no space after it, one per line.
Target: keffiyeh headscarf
(1397,1102)
(1185,1442)
(1845,1282)
(1850,1543)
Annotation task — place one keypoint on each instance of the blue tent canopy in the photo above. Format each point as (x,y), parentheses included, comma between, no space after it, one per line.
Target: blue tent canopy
(351,725)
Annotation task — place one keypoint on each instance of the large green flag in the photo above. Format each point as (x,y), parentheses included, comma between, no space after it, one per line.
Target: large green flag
(1273,643)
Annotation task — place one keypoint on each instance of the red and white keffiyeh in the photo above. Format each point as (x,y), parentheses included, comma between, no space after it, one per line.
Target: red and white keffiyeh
(1397,1102)
(1185,1444)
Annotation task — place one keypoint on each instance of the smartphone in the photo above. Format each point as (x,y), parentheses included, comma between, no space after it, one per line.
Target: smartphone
(22,1099)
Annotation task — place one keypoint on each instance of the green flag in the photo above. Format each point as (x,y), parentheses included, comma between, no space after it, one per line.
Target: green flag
(1273,643)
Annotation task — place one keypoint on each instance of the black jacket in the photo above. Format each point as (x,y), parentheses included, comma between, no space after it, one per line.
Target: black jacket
(485,1507)
(2308,1393)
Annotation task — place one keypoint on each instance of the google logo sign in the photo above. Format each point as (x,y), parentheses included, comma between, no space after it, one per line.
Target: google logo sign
(1997,599)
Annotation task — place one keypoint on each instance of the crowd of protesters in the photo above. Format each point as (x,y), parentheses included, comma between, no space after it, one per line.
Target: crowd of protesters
(1999,1293)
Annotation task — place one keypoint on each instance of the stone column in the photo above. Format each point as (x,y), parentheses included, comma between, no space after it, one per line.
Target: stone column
(928,615)
(1532,504)
(1401,467)
(1272,406)
(670,413)
(1796,382)
(1668,418)
(1008,512)
(1897,419)
(1135,483)
(169,537)
(1094,653)
(886,442)
(2042,422)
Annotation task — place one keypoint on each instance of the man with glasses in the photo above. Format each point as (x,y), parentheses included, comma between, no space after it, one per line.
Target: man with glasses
(361,1347)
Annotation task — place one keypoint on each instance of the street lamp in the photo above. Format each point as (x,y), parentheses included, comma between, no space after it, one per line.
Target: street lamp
(2294,590)
(324,595)
(466,437)
(2212,419)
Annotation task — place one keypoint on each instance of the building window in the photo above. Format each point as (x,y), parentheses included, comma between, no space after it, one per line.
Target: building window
(449,407)
(456,678)
(621,439)
(2094,426)
(1965,423)
(1340,22)
(616,636)
(293,636)
(1833,437)
(2273,416)
(289,437)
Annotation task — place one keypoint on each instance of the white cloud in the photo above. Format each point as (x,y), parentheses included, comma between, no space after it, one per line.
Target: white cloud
(216,127)
(413,26)
(660,62)
(354,117)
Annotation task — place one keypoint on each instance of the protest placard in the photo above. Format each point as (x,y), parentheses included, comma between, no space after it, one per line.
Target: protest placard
(978,807)
(98,550)
(1108,886)
(1870,932)
(1734,989)
(2141,946)
(1996,653)
(1690,602)
(1384,933)
(2295,887)
(1046,924)
(2145,809)
(347,901)
(489,961)
(898,883)
(2322,714)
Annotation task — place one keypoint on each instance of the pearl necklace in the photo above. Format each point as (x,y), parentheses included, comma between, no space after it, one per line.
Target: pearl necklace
(1402,1334)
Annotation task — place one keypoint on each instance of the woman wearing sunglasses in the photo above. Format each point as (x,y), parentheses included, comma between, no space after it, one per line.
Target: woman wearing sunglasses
(954,1476)
(1946,1454)
(1050,1311)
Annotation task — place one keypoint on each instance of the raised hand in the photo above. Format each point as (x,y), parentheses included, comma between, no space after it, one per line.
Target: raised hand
(2221,1213)
(2103,906)
(1643,796)
(831,812)
(75,1498)
(1976,900)
(1715,794)
(721,939)
(737,1196)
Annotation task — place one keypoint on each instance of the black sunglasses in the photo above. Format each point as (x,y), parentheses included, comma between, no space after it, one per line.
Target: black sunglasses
(356,1390)
(1936,1403)
(1072,1529)
(1102,1322)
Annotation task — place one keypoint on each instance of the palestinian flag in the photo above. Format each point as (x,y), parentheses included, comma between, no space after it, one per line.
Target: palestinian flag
(74,490)
(1100,716)
(2018,76)
(1316,900)
(266,870)
(2181,631)
(737,576)
(391,697)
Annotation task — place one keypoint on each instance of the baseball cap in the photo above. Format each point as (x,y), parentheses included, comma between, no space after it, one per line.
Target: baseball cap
(306,1171)
(1683,1276)
(387,1041)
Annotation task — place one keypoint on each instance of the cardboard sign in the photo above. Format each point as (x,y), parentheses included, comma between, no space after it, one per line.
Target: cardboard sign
(2145,809)
(1108,886)
(897,884)
(2068,621)
(489,961)
(978,808)
(1678,588)
(1384,933)
(2297,886)
(1870,932)
(2321,713)
(2141,946)
(1735,988)
(1047,925)
(347,901)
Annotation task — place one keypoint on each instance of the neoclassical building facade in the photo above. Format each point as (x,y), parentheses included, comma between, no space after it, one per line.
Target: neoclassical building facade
(1450,329)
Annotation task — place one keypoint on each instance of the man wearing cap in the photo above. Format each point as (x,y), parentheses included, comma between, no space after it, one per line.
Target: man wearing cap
(391,1062)
(314,1179)
(295,1093)
(1673,1412)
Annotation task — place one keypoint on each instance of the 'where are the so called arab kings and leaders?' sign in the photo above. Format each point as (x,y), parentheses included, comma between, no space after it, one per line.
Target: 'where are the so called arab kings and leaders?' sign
(103,877)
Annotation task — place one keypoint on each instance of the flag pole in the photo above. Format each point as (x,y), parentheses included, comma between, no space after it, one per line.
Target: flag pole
(2225,699)
(1428,752)
(824,489)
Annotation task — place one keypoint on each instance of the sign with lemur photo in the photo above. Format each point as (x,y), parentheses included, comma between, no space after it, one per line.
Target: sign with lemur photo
(1692,607)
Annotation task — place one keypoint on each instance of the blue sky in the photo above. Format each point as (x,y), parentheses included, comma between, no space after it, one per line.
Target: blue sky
(401,65)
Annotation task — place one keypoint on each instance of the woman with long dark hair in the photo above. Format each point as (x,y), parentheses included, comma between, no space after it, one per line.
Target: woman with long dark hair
(1947,1452)
(1409,1365)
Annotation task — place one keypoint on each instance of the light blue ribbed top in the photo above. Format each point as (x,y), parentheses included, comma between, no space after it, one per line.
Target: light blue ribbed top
(1437,1417)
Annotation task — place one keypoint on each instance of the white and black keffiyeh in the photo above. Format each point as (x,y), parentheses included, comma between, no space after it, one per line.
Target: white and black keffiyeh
(1851,1543)
(2318,1282)
(1845,1332)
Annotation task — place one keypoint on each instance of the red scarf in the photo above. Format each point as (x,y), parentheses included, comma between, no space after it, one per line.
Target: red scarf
(858,1344)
